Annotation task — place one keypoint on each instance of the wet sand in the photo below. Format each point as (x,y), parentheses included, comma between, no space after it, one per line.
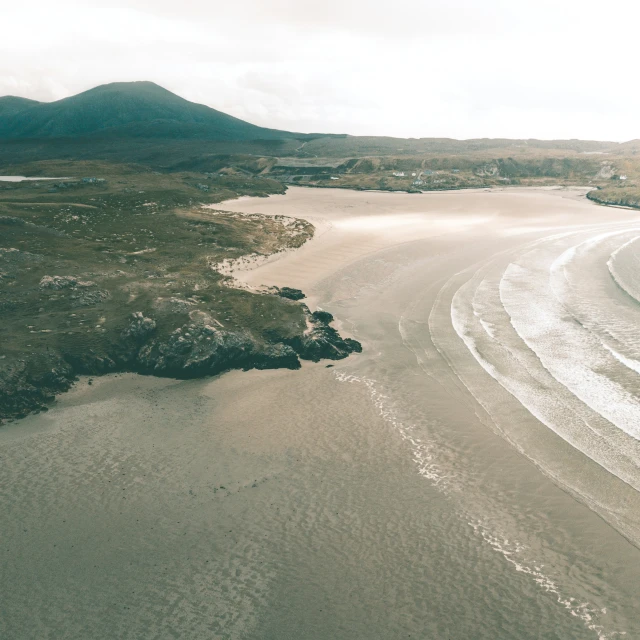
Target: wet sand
(365,500)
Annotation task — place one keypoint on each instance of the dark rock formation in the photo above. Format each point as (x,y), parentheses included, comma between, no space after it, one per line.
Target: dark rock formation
(29,386)
(193,350)
(289,293)
(139,328)
(83,292)
(321,341)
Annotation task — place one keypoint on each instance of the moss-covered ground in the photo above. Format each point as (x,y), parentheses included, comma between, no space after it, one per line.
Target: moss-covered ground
(78,258)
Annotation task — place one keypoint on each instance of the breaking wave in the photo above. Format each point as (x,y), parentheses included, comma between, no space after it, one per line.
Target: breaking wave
(426,454)
(555,325)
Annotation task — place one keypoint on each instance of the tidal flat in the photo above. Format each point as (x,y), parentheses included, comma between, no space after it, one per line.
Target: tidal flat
(418,489)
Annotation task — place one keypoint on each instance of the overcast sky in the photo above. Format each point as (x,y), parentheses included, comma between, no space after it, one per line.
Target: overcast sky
(417,68)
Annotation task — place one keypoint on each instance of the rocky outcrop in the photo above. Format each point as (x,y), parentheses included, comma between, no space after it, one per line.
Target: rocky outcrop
(321,341)
(193,350)
(198,348)
(289,293)
(139,329)
(83,293)
(29,386)
(57,283)
(606,172)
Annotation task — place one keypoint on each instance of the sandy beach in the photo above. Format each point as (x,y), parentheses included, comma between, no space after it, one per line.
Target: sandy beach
(419,489)
(353,224)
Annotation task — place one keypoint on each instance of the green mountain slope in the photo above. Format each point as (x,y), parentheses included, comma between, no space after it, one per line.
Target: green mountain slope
(125,109)
(11,105)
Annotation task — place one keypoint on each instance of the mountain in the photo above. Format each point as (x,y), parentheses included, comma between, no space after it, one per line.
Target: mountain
(10,105)
(125,110)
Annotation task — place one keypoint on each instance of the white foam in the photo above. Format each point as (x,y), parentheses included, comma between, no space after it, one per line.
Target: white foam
(496,343)
(422,452)
(582,283)
(569,351)
(513,551)
(625,276)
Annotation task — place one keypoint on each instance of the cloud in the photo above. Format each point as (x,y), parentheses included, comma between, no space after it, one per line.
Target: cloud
(417,68)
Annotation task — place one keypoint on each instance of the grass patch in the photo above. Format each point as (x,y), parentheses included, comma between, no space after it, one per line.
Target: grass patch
(80,260)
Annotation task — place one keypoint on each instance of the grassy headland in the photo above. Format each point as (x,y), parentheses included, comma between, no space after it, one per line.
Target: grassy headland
(117,272)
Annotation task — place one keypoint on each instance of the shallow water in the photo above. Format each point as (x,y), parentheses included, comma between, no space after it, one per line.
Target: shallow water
(22,178)
(450,482)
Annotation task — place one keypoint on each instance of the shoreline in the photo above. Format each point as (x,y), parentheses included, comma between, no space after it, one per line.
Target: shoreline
(492,188)
(274,483)
(199,345)
(360,239)
(342,237)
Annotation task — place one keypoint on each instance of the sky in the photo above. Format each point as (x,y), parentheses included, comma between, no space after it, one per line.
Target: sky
(417,68)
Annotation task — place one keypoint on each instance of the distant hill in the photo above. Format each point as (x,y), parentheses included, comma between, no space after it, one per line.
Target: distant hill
(141,122)
(362,146)
(125,110)
(633,146)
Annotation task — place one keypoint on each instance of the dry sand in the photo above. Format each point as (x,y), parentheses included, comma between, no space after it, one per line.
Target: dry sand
(353,224)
